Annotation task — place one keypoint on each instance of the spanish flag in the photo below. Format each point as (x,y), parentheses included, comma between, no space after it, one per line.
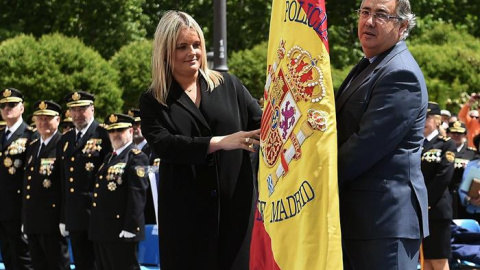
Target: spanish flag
(297,222)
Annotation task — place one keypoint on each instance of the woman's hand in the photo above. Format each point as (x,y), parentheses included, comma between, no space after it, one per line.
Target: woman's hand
(239,140)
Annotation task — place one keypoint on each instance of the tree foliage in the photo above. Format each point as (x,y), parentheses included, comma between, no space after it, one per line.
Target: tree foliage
(450,60)
(55,65)
(105,25)
(133,63)
(250,66)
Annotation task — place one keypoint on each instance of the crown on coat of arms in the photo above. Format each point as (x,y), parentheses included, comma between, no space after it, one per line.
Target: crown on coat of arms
(304,77)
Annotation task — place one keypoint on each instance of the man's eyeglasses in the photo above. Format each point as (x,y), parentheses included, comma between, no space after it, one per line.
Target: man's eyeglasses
(9,104)
(476,117)
(380,17)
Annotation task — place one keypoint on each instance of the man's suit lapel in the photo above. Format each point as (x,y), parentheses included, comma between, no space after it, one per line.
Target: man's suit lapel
(346,90)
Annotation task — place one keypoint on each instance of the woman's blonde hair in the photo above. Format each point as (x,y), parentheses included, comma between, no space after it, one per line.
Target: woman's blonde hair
(164,45)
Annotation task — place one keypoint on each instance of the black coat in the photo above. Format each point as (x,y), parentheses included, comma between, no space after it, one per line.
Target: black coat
(12,163)
(461,160)
(438,156)
(80,163)
(41,189)
(119,197)
(206,201)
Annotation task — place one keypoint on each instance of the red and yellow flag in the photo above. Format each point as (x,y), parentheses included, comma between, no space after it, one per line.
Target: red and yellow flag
(297,223)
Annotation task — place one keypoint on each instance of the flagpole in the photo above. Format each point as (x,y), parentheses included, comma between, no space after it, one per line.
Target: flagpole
(220,35)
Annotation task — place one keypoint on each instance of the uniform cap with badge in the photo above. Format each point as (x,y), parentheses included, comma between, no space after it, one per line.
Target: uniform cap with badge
(118,121)
(433,108)
(46,107)
(457,127)
(79,99)
(135,113)
(11,95)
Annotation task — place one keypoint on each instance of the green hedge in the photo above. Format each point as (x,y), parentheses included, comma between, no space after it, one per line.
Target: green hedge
(133,63)
(53,66)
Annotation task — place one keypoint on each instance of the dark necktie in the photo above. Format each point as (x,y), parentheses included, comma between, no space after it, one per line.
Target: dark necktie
(40,149)
(79,136)
(4,139)
(114,154)
(360,67)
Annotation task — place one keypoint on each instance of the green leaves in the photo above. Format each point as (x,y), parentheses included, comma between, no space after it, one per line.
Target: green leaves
(53,66)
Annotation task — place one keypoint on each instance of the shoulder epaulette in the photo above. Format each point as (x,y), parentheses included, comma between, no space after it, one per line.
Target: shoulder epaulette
(31,128)
(472,148)
(446,139)
(32,142)
(136,151)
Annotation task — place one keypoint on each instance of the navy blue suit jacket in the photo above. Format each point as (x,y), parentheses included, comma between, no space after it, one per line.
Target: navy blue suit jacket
(380,122)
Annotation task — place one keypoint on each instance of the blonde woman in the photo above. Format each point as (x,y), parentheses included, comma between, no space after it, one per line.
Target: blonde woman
(203,125)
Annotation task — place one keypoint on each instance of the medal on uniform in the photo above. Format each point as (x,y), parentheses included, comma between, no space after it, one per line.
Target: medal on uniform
(112,186)
(17,163)
(7,162)
(11,170)
(89,166)
(47,183)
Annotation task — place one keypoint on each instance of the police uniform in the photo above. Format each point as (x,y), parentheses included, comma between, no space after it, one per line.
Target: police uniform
(462,158)
(14,246)
(42,199)
(80,163)
(66,123)
(150,217)
(438,156)
(118,203)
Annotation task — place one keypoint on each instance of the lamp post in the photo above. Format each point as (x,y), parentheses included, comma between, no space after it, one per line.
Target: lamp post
(220,35)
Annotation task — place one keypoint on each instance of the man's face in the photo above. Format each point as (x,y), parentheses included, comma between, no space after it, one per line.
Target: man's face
(81,116)
(137,132)
(11,111)
(377,36)
(120,137)
(46,125)
(430,125)
(458,138)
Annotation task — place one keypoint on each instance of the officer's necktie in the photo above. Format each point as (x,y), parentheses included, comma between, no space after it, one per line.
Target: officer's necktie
(79,135)
(40,149)
(4,139)
(114,154)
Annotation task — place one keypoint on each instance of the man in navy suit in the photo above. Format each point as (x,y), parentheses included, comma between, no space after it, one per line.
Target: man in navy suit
(381,108)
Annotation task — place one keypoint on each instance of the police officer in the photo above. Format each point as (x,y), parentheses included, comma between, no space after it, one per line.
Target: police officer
(82,151)
(141,143)
(14,139)
(66,123)
(42,192)
(117,222)
(463,154)
(438,157)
